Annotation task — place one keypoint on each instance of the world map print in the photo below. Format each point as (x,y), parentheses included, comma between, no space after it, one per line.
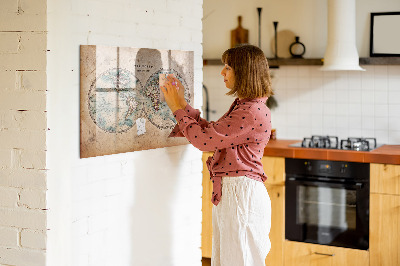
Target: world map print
(122,106)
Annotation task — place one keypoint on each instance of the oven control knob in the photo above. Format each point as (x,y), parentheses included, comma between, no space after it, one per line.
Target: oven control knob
(343,168)
(308,166)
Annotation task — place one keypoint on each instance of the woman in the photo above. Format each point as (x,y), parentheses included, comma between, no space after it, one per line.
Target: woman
(242,211)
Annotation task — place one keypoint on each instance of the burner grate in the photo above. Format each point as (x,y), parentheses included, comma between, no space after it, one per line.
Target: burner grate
(358,144)
(327,142)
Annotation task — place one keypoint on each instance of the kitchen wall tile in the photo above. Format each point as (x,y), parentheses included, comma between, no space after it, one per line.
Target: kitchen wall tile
(304,109)
(368,123)
(317,131)
(381,136)
(342,80)
(354,80)
(329,93)
(354,122)
(355,109)
(317,108)
(317,95)
(394,123)
(367,96)
(292,82)
(394,82)
(367,110)
(394,110)
(342,109)
(394,97)
(380,71)
(304,72)
(381,97)
(317,120)
(329,123)
(381,123)
(328,74)
(342,133)
(367,81)
(381,84)
(381,110)
(329,109)
(394,137)
(365,99)
(393,71)
(291,71)
(355,132)
(315,72)
(367,133)
(342,122)
(304,82)
(278,83)
(342,96)
(316,82)
(355,96)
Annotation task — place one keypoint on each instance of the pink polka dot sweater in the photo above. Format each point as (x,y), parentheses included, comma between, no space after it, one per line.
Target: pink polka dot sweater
(238,139)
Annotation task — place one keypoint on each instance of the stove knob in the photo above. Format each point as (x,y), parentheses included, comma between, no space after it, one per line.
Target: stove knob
(308,166)
(343,168)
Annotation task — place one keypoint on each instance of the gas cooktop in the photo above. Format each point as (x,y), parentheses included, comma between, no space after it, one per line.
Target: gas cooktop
(332,142)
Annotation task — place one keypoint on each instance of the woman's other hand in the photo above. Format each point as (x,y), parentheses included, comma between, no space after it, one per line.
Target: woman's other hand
(174,93)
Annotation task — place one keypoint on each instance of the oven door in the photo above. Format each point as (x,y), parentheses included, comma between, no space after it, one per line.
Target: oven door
(327,213)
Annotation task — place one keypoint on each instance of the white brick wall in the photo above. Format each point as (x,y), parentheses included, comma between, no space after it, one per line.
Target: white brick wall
(23,132)
(139,208)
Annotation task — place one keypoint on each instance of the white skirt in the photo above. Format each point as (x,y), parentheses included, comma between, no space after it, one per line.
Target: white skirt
(241,223)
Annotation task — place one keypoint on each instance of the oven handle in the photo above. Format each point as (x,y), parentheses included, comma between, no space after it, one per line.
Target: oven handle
(357,185)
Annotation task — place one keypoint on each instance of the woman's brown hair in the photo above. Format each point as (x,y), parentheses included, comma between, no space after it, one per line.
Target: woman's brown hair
(250,66)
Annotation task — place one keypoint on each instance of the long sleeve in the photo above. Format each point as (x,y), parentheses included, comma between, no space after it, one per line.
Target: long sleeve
(193,113)
(231,130)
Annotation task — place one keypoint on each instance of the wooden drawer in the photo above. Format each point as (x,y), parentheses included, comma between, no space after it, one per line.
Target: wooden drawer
(385,178)
(304,254)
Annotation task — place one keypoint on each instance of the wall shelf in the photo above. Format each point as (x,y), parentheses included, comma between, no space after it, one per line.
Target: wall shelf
(380,61)
(274,63)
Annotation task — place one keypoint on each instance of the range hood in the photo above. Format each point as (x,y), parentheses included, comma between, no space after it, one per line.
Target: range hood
(341,51)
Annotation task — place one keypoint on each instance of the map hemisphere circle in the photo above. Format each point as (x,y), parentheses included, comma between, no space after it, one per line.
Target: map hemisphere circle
(114,100)
(157,111)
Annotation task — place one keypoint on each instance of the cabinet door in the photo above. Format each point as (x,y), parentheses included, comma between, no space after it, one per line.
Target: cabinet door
(277,233)
(384,230)
(385,178)
(304,254)
(206,226)
(274,168)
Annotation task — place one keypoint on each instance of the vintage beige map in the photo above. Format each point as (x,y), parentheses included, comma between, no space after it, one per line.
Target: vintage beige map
(121,106)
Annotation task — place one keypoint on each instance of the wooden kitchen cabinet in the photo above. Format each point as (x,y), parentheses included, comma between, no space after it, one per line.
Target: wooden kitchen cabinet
(385,178)
(305,254)
(385,215)
(274,168)
(206,225)
(277,233)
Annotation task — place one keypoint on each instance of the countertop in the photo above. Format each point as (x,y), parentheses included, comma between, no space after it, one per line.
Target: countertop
(389,154)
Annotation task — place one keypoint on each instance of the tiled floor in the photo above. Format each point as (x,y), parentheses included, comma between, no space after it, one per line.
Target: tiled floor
(206,261)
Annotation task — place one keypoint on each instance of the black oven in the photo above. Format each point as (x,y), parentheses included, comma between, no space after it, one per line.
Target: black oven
(327,202)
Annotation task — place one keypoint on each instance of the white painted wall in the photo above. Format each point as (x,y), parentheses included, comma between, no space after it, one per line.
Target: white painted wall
(139,208)
(311,102)
(306,19)
(23,133)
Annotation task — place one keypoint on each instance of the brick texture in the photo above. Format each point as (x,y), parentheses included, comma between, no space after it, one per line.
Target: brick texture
(23,126)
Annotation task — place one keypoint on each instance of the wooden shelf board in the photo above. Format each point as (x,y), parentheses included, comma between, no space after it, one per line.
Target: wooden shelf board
(275,62)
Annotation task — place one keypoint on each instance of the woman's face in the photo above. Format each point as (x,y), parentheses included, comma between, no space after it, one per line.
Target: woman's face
(229,76)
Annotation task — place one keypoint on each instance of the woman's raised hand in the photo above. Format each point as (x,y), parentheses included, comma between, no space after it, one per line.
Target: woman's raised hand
(174,93)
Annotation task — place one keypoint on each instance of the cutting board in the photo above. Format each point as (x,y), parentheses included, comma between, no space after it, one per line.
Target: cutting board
(239,35)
